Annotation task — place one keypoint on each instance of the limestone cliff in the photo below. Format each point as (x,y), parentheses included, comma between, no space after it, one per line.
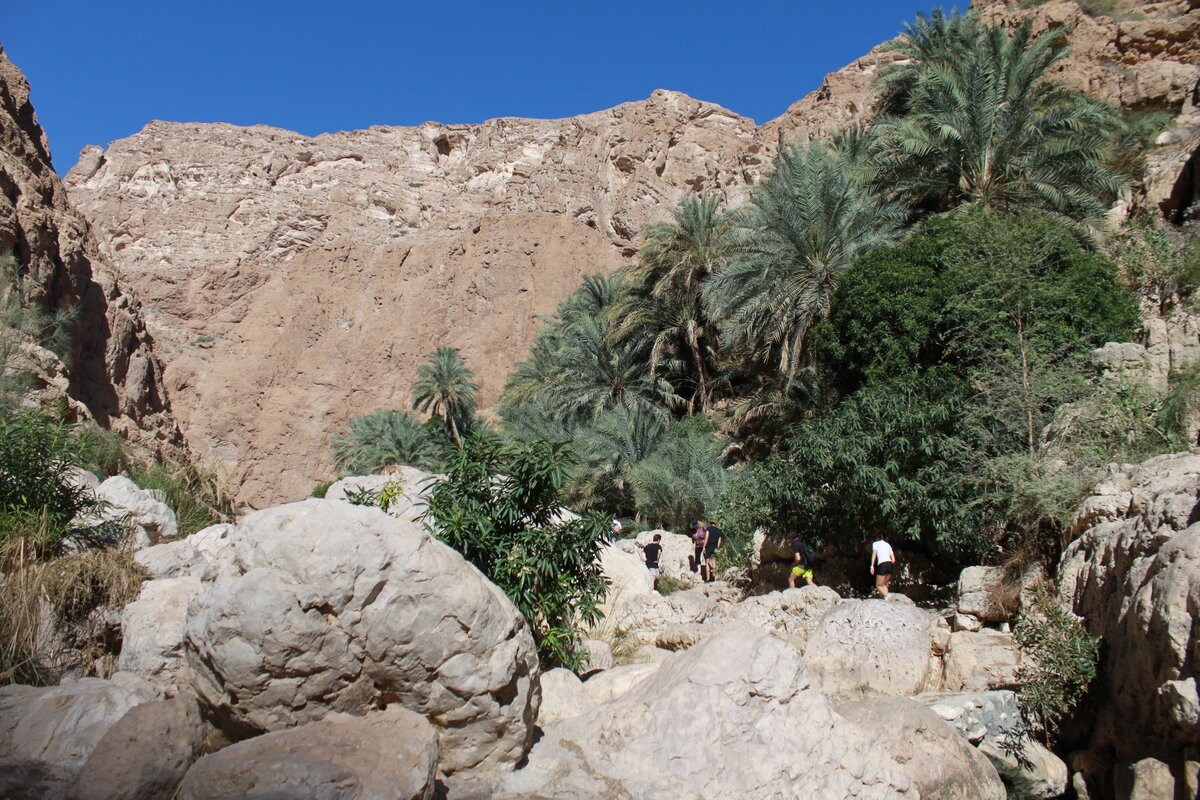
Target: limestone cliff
(291,282)
(113,375)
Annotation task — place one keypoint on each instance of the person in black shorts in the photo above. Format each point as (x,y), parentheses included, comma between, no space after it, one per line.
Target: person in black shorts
(802,563)
(711,543)
(653,552)
(883,562)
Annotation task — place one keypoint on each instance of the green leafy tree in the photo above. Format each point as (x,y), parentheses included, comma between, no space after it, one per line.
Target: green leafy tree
(383,438)
(447,389)
(807,224)
(499,507)
(977,122)
(609,451)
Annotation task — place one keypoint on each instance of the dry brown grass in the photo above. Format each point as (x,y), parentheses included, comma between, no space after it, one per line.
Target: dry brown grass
(51,606)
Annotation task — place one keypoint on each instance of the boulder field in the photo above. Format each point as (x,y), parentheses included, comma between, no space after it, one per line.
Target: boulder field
(323,649)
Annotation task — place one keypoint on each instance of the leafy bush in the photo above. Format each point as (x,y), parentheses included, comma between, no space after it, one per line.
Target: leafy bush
(24,319)
(37,455)
(197,495)
(102,451)
(384,438)
(1059,659)
(499,507)
(667,584)
(1157,263)
(321,488)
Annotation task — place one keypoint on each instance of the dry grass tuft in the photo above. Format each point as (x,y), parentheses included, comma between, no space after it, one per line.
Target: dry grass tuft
(52,604)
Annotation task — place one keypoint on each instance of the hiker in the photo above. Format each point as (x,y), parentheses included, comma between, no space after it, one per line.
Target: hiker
(699,541)
(711,542)
(883,562)
(652,553)
(804,557)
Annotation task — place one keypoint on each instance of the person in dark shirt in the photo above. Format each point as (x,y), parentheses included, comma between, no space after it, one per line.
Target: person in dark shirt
(653,552)
(710,551)
(802,563)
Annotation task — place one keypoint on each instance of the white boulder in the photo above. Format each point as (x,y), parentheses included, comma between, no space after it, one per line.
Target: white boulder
(870,647)
(325,606)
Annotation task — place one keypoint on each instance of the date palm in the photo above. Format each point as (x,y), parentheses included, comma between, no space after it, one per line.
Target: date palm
(381,439)
(666,304)
(806,225)
(446,388)
(976,122)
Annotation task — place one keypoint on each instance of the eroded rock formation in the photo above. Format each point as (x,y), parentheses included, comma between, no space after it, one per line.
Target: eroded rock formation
(113,375)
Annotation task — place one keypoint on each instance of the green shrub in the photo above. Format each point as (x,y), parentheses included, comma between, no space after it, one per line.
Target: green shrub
(321,488)
(384,438)
(103,451)
(498,506)
(197,495)
(1059,659)
(666,584)
(37,455)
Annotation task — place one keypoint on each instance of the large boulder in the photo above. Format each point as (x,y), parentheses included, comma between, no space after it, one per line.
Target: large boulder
(152,519)
(976,662)
(324,606)
(792,614)
(940,762)
(563,696)
(991,721)
(145,755)
(735,716)
(410,505)
(202,553)
(870,647)
(628,580)
(1133,576)
(644,615)
(387,755)
(981,594)
(46,735)
(152,632)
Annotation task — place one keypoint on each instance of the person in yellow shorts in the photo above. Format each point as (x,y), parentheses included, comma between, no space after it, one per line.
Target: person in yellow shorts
(802,566)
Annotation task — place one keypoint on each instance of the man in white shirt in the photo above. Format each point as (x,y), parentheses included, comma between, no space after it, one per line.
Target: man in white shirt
(883,562)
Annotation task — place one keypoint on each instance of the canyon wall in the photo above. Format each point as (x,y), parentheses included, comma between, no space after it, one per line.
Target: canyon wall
(112,375)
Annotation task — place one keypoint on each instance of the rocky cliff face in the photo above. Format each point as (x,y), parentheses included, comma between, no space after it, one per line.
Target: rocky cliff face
(293,282)
(114,376)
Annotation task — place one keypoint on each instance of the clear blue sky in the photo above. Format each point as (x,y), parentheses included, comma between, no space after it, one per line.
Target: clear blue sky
(102,70)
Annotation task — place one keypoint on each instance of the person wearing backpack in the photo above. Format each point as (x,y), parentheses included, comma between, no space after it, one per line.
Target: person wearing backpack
(713,540)
(804,558)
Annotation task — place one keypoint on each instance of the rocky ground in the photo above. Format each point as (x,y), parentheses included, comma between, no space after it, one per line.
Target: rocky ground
(323,649)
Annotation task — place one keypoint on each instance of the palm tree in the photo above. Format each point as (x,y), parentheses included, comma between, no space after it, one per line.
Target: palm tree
(383,438)
(807,224)
(667,302)
(446,388)
(976,122)
(608,451)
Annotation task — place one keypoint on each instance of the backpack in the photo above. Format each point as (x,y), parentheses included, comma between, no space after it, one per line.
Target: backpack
(810,555)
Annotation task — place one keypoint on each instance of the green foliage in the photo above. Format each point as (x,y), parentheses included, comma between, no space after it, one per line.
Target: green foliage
(1157,262)
(24,320)
(499,507)
(1059,660)
(609,451)
(683,478)
(446,389)
(197,495)
(1179,412)
(975,121)
(382,498)
(37,455)
(384,438)
(806,225)
(667,585)
(321,488)
(103,451)
(951,353)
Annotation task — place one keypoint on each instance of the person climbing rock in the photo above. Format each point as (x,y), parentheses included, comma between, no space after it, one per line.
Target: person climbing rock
(712,541)
(883,562)
(652,553)
(803,559)
(699,540)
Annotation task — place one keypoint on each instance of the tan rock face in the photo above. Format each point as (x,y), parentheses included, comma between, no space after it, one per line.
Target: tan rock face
(296,282)
(293,282)
(115,378)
